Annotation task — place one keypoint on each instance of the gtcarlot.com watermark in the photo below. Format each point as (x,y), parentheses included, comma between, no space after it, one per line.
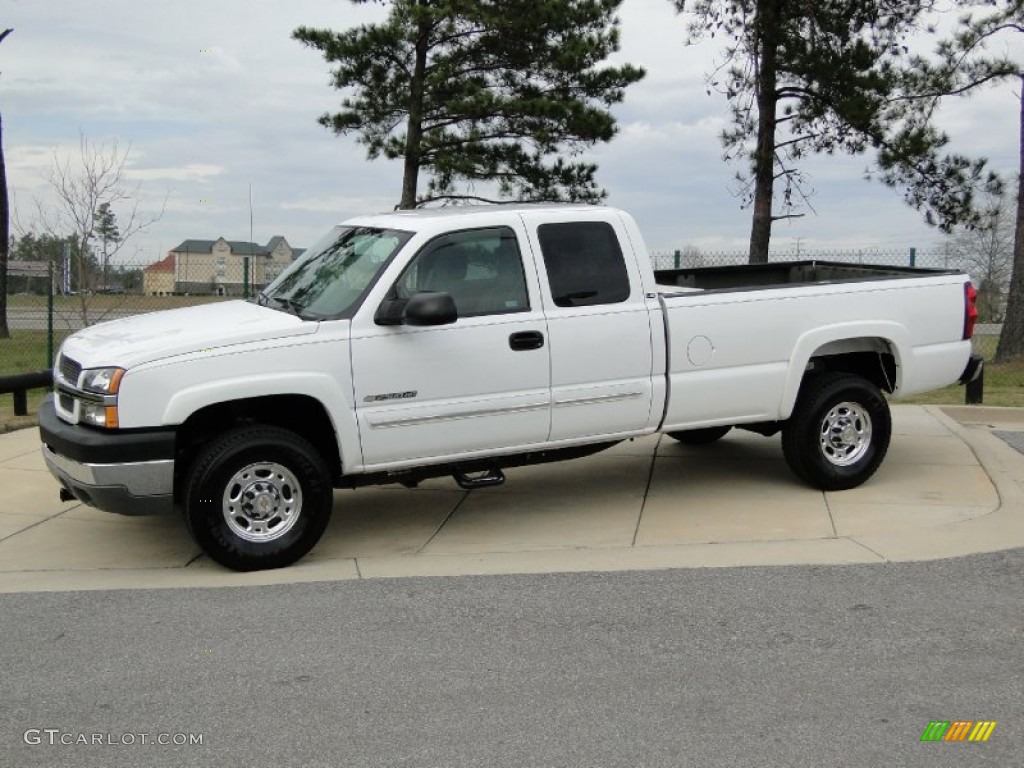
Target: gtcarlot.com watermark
(55,736)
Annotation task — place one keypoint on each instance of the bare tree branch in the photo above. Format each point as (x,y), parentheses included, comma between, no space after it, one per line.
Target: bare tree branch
(81,185)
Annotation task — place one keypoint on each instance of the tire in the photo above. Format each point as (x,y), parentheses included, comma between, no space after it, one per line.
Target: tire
(839,431)
(257,497)
(704,436)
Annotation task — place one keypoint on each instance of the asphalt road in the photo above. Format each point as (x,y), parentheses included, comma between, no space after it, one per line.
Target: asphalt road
(808,666)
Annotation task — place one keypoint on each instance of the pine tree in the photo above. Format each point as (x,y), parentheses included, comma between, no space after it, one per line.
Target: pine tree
(977,54)
(105,230)
(803,78)
(506,93)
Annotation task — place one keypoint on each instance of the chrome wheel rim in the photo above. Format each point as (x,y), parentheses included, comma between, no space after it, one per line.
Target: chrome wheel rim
(845,434)
(262,502)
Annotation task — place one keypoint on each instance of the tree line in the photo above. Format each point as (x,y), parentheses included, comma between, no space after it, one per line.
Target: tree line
(74,271)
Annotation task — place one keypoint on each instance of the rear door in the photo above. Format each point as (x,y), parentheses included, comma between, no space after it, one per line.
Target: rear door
(599,325)
(481,383)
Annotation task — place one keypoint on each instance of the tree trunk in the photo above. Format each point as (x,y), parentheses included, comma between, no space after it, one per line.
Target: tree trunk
(1011,340)
(414,131)
(84,283)
(766,27)
(5,237)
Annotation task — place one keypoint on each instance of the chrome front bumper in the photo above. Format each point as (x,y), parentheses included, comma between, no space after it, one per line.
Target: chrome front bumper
(131,488)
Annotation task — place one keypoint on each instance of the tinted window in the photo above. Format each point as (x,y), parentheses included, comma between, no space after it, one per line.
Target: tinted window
(481,269)
(584,263)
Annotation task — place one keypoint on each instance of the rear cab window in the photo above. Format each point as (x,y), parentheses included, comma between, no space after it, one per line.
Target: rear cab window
(584,262)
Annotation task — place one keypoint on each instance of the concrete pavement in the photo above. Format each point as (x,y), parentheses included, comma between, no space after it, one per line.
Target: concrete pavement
(948,487)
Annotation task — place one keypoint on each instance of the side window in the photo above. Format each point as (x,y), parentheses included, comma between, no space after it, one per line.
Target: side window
(481,269)
(584,263)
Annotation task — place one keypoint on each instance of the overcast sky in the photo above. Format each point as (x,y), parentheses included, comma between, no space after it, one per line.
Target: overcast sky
(215,97)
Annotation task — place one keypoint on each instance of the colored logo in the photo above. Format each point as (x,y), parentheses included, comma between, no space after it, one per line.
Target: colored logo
(958,730)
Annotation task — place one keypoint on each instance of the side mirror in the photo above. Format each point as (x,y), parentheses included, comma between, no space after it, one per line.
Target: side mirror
(431,308)
(390,312)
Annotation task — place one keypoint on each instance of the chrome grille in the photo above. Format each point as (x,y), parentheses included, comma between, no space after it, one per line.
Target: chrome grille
(69,370)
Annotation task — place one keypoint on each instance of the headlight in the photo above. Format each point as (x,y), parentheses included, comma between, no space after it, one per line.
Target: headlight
(102,381)
(98,415)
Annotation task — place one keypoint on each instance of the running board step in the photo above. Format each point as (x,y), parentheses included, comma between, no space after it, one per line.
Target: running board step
(473,480)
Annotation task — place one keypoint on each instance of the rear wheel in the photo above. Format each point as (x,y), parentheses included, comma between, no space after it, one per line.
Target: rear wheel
(700,436)
(839,431)
(258,497)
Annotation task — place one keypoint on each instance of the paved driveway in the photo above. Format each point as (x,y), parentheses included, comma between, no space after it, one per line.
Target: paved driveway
(945,489)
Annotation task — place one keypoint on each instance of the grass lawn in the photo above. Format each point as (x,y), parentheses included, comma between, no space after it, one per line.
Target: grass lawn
(9,422)
(24,352)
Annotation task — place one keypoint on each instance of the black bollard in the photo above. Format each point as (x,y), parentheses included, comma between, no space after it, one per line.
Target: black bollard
(974,391)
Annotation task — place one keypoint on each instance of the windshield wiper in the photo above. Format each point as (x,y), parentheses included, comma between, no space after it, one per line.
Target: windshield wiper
(292,305)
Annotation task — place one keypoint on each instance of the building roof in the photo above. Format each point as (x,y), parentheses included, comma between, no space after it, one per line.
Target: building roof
(166,264)
(238,247)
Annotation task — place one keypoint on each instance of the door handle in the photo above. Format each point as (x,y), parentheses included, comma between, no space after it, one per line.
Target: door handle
(524,340)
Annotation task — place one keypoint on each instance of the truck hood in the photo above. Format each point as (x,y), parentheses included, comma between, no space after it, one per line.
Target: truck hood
(142,339)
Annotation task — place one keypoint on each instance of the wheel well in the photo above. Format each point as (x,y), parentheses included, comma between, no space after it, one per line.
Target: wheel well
(872,359)
(301,414)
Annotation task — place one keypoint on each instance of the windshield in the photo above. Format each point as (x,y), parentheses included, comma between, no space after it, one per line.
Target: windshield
(330,277)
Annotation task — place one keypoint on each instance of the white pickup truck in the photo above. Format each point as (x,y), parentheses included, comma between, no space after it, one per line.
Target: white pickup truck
(465,340)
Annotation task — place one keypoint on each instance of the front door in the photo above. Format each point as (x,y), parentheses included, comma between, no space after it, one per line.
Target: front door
(481,383)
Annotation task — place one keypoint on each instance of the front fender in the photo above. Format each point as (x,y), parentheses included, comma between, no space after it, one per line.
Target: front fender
(168,394)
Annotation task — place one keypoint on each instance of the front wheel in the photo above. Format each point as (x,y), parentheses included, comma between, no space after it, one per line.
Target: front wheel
(258,497)
(839,431)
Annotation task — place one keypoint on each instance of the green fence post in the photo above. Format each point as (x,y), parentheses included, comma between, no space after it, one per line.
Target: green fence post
(245,277)
(913,257)
(678,257)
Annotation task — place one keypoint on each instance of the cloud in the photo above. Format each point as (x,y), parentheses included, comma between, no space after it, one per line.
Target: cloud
(188,172)
(336,203)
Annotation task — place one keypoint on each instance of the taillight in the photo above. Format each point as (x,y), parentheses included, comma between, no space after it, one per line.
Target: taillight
(970,309)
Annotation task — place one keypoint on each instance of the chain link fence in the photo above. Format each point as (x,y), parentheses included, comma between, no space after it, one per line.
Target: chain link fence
(45,305)
(49,300)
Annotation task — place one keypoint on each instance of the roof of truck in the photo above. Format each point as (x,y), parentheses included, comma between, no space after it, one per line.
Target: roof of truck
(455,210)
(394,218)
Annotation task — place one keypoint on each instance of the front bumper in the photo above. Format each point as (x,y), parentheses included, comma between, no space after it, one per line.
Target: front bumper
(973,369)
(129,473)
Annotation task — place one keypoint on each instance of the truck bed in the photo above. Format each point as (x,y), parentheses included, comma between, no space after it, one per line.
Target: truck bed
(774,274)
(739,337)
